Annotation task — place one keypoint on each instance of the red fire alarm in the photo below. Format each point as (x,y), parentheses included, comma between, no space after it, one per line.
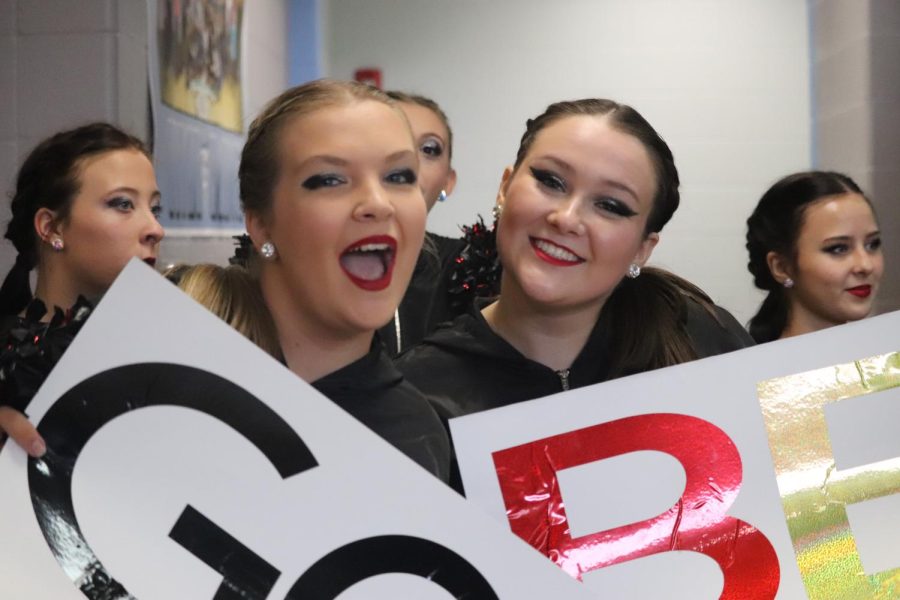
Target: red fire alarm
(368,75)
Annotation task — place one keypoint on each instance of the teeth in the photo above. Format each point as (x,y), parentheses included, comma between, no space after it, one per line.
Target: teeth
(371,248)
(556,252)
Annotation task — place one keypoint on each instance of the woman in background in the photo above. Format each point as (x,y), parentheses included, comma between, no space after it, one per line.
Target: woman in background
(579,215)
(86,202)
(427,301)
(815,247)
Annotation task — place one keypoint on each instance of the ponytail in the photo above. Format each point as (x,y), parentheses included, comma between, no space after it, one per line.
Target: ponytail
(15,293)
(647,318)
(771,319)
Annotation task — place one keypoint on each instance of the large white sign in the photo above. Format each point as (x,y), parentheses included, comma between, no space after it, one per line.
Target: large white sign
(768,472)
(184,462)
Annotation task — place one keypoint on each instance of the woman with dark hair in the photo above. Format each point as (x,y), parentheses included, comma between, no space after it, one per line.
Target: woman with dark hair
(86,202)
(428,300)
(579,214)
(815,247)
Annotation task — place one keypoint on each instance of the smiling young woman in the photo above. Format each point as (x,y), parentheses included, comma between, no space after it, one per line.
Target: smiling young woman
(86,202)
(815,246)
(579,215)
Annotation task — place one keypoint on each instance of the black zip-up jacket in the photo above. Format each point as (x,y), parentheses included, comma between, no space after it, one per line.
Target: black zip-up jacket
(466,368)
(373,391)
(427,301)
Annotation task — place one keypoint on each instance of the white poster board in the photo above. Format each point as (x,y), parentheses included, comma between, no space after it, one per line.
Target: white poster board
(663,458)
(204,467)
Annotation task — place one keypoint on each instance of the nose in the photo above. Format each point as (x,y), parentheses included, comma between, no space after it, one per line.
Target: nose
(566,217)
(153,231)
(864,261)
(374,203)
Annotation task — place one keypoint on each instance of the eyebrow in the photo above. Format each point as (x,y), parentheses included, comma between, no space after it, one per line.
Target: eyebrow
(342,162)
(131,190)
(847,238)
(610,182)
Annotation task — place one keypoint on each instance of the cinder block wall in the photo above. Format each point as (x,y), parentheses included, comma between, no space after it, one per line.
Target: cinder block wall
(63,64)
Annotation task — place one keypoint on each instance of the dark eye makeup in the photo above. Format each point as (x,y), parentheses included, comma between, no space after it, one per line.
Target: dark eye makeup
(548,179)
(322,180)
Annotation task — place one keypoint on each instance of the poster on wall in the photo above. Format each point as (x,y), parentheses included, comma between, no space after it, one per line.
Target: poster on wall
(771,472)
(185,463)
(195,67)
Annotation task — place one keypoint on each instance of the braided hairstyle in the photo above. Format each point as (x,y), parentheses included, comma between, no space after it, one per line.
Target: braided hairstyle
(775,226)
(49,178)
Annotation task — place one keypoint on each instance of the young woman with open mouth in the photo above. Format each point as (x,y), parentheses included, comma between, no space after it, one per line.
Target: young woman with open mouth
(815,246)
(579,214)
(86,202)
(329,185)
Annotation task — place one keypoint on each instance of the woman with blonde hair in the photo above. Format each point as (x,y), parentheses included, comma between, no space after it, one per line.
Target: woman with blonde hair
(329,186)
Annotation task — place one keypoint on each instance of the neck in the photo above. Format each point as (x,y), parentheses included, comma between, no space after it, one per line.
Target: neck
(801,321)
(55,289)
(549,336)
(311,349)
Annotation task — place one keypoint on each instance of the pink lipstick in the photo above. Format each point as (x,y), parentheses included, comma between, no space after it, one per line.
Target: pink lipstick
(369,262)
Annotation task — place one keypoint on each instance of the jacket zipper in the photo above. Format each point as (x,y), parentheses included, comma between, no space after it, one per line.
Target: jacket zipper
(563,375)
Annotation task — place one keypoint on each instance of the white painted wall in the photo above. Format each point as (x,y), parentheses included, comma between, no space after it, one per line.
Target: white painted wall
(726,82)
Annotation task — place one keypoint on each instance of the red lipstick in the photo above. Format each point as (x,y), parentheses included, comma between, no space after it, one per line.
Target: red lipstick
(369,262)
(861,291)
(555,254)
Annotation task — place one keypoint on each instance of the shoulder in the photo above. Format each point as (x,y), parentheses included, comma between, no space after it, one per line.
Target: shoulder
(713,330)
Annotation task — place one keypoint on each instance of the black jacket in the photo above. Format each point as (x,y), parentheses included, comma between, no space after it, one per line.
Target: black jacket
(374,392)
(466,368)
(427,301)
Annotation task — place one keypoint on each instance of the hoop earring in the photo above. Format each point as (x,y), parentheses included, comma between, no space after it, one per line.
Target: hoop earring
(634,270)
(57,244)
(442,196)
(267,250)
(788,283)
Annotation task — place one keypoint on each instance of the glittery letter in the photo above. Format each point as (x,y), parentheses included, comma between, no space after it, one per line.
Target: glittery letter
(697,522)
(814,492)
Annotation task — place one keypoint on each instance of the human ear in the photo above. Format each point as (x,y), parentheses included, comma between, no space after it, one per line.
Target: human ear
(504,184)
(257,228)
(46,225)
(451,181)
(646,249)
(779,267)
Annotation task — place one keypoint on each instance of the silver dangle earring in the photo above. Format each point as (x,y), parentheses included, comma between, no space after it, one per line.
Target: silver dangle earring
(497,211)
(442,196)
(267,250)
(788,283)
(634,270)
(57,244)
